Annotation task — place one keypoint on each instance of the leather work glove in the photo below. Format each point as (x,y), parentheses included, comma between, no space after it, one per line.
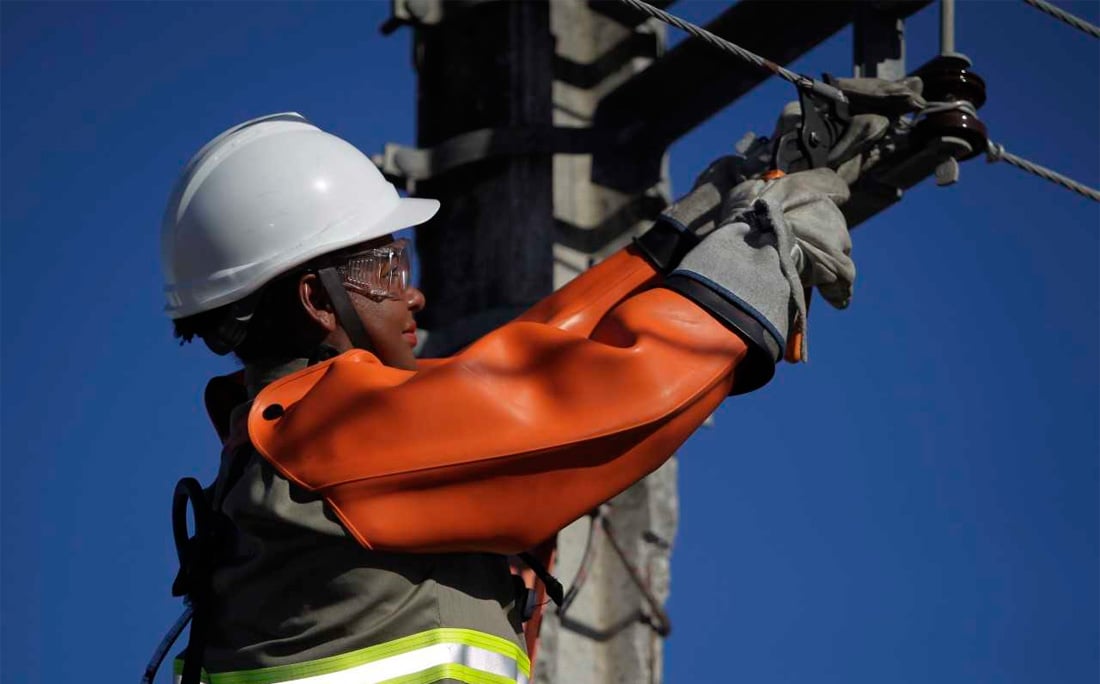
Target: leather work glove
(699,211)
(880,96)
(683,224)
(776,239)
(809,202)
(875,104)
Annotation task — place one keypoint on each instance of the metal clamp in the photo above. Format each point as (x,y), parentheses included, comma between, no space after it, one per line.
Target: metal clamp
(823,122)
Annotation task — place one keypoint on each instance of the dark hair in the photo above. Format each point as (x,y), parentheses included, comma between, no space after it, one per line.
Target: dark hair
(269,325)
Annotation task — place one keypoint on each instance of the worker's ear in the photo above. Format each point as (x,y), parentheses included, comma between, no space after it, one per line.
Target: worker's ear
(315,302)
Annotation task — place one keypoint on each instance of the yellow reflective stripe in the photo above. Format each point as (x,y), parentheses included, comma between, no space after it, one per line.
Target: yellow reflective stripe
(443,635)
(460,673)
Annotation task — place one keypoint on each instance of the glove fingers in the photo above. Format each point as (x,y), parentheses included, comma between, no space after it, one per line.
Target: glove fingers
(788,120)
(852,169)
(822,235)
(839,294)
(864,130)
(832,272)
(880,96)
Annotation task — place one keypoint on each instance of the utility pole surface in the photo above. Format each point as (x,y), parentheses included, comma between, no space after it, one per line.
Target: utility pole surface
(603,638)
(487,66)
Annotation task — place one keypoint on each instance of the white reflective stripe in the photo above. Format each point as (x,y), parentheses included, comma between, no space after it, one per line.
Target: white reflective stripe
(410,663)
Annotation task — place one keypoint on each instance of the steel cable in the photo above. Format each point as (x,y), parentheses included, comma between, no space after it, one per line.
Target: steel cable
(797,79)
(998,153)
(1062,15)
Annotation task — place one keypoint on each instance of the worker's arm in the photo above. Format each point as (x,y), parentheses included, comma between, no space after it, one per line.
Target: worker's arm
(550,415)
(532,418)
(582,303)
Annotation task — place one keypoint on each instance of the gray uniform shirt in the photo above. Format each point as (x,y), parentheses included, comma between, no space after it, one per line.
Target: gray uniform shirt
(296,587)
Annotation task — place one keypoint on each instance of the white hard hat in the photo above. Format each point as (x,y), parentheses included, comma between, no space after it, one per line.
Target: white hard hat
(264,197)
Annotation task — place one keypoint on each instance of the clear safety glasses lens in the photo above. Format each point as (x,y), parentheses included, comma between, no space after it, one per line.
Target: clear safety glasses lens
(379,272)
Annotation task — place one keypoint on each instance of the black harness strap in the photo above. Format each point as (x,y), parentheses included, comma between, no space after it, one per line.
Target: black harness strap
(197,555)
(553,587)
(200,555)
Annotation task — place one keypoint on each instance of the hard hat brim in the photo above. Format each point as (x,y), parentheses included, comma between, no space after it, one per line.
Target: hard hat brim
(409,212)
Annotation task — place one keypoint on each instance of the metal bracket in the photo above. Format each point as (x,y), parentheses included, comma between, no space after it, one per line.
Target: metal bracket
(405,165)
(884,184)
(879,42)
(419,13)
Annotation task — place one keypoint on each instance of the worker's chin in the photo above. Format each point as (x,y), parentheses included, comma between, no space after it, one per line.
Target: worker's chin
(401,357)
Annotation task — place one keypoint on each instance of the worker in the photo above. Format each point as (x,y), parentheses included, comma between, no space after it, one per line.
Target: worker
(366,500)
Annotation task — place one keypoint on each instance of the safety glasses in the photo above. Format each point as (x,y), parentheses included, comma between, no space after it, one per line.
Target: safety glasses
(380,272)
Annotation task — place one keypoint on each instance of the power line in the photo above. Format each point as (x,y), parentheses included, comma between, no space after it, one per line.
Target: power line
(998,153)
(799,80)
(1062,15)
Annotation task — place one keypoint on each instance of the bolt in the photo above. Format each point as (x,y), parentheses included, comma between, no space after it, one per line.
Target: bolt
(947,172)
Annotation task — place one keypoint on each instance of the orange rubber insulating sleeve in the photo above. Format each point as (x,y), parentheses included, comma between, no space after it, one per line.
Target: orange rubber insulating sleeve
(585,300)
(580,304)
(500,446)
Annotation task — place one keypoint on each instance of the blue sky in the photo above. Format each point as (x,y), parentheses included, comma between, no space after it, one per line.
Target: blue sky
(917,504)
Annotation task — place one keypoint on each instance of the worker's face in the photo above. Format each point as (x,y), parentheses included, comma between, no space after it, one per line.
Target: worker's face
(390,325)
(375,276)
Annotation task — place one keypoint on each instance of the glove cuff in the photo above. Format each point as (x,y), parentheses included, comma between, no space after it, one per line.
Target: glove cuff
(762,339)
(666,243)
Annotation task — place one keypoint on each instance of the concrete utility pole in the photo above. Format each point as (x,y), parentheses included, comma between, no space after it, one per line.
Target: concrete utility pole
(602,637)
(520,221)
(543,128)
(489,66)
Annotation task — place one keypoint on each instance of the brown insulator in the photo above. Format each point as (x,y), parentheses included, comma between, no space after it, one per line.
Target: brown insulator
(948,78)
(957,124)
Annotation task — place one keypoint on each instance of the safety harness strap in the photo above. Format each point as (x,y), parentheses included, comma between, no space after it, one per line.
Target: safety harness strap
(197,555)
(553,587)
